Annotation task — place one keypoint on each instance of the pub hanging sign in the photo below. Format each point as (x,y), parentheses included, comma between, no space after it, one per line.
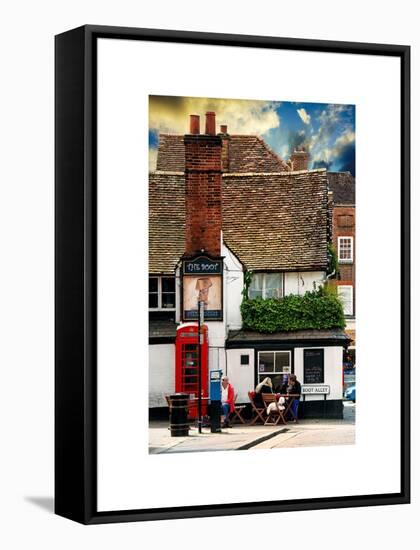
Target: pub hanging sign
(202,279)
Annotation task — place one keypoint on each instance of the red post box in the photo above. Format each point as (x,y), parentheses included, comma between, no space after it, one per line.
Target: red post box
(186,368)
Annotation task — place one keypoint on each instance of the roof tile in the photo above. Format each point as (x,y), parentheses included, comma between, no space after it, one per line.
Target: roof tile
(247,153)
(271,221)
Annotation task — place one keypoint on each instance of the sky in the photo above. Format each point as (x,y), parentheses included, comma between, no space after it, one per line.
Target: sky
(326,130)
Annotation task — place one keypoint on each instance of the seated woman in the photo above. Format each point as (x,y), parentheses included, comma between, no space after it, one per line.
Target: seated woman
(266,386)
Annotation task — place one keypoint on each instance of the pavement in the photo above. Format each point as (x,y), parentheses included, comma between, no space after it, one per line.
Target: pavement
(306,433)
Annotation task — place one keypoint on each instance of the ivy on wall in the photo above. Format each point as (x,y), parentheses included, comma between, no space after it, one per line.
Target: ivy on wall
(333,265)
(318,309)
(247,283)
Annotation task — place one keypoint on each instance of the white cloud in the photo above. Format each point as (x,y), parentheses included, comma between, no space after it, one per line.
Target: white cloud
(327,154)
(171,114)
(305,117)
(345,139)
(321,146)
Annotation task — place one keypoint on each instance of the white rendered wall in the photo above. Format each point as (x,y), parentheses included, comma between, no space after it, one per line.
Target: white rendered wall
(178,292)
(233,281)
(241,376)
(301,282)
(161,373)
(333,373)
(233,286)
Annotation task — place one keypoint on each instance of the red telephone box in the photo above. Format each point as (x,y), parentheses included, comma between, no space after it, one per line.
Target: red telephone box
(186,368)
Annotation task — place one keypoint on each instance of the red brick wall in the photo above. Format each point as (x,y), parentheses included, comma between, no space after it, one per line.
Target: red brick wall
(344,225)
(300,160)
(203,191)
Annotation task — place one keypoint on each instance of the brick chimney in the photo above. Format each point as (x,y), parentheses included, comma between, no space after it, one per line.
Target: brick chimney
(225,147)
(300,159)
(203,188)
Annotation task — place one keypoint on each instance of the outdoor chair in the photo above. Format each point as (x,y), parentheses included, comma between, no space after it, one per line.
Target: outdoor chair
(237,412)
(257,412)
(275,411)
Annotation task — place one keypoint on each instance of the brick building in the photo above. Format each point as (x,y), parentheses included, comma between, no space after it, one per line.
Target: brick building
(230,197)
(343,188)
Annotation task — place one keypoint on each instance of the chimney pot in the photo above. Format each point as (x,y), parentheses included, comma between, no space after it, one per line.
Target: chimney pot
(194,124)
(211,123)
(223,129)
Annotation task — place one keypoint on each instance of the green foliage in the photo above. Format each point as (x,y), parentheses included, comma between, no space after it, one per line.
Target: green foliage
(333,266)
(247,282)
(318,309)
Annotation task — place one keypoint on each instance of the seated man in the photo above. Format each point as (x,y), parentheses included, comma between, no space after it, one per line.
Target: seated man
(228,398)
(294,388)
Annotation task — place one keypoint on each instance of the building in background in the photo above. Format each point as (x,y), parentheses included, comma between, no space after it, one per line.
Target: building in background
(220,207)
(342,185)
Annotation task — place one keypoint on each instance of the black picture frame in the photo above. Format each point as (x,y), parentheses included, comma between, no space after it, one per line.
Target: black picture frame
(76,273)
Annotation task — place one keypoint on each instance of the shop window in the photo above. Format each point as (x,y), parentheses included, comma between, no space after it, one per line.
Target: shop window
(266,285)
(345,293)
(162,293)
(274,364)
(345,250)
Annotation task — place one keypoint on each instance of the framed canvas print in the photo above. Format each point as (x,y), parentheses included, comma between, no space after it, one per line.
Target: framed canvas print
(219,274)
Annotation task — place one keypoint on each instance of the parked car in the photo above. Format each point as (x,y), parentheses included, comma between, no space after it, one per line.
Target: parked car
(350,393)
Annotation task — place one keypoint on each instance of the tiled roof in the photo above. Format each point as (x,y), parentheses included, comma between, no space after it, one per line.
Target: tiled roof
(252,154)
(162,328)
(247,153)
(171,153)
(343,187)
(271,221)
(277,221)
(166,221)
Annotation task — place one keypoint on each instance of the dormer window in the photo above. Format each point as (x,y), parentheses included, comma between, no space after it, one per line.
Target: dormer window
(266,285)
(162,293)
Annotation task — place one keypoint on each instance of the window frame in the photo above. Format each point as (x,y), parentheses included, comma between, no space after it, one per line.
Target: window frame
(160,292)
(262,375)
(263,288)
(345,260)
(351,287)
